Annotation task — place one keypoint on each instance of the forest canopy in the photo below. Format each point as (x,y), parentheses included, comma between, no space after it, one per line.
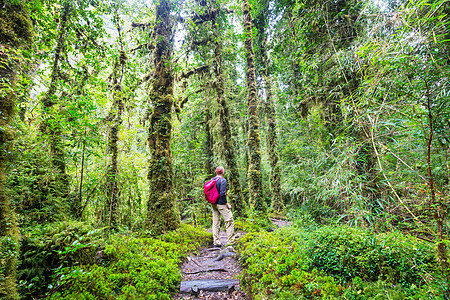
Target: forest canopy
(114,113)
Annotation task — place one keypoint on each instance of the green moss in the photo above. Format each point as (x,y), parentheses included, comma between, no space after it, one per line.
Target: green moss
(132,267)
(55,246)
(254,140)
(15,30)
(162,211)
(305,261)
(15,25)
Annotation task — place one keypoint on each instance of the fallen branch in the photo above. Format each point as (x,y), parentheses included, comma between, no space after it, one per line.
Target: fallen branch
(208,285)
(213,249)
(276,220)
(186,199)
(194,261)
(140,25)
(223,255)
(149,46)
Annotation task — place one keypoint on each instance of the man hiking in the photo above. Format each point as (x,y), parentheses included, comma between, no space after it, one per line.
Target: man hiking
(222,208)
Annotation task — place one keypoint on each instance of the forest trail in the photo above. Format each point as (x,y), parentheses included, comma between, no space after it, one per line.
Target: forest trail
(217,270)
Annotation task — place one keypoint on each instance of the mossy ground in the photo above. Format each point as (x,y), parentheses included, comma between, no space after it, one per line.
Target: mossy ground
(308,261)
(72,260)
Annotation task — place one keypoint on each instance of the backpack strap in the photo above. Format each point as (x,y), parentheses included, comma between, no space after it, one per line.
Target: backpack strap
(220,184)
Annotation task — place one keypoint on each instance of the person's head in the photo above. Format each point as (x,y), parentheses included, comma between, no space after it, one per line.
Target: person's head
(220,170)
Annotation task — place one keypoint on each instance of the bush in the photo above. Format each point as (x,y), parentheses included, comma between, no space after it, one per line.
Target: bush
(275,267)
(253,223)
(310,262)
(346,252)
(37,192)
(189,237)
(54,246)
(132,268)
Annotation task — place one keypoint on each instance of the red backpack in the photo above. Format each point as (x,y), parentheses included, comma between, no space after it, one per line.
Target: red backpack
(211,192)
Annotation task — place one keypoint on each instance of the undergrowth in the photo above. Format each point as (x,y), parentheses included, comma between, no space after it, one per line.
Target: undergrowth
(73,261)
(306,261)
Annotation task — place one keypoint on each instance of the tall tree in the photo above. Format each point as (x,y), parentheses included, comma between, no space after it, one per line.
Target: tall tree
(263,65)
(209,141)
(15,31)
(115,117)
(237,200)
(254,140)
(50,125)
(162,211)
(207,33)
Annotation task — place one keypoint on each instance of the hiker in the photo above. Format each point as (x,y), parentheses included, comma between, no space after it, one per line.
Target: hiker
(222,208)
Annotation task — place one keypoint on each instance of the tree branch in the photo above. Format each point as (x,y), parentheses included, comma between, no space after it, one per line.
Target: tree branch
(197,70)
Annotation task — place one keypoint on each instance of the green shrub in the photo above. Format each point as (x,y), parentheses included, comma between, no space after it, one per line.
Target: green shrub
(190,237)
(346,252)
(52,246)
(132,268)
(309,262)
(253,223)
(36,191)
(275,267)
(381,290)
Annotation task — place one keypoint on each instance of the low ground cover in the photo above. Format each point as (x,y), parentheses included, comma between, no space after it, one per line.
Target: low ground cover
(307,261)
(84,265)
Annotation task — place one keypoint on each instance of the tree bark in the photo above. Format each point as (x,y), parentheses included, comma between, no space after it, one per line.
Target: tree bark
(162,211)
(261,21)
(254,140)
(15,17)
(209,142)
(49,126)
(110,217)
(236,197)
(272,143)
(76,209)
(110,212)
(438,206)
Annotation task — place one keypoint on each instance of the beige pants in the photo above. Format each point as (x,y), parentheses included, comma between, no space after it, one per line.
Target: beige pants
(227,216)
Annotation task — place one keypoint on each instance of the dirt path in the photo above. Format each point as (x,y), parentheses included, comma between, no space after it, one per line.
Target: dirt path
(212,265)
(216,269)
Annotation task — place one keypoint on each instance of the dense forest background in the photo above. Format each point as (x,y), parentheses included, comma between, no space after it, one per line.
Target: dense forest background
(113,114)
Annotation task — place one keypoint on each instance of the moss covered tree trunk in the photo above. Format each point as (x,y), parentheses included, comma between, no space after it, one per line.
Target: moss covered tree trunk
(115,115)
(254,140)
(50,126)
(209,141)
(110,217)
(261,23)
(15,30)
(272,142)
(236,197)
(162,211)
